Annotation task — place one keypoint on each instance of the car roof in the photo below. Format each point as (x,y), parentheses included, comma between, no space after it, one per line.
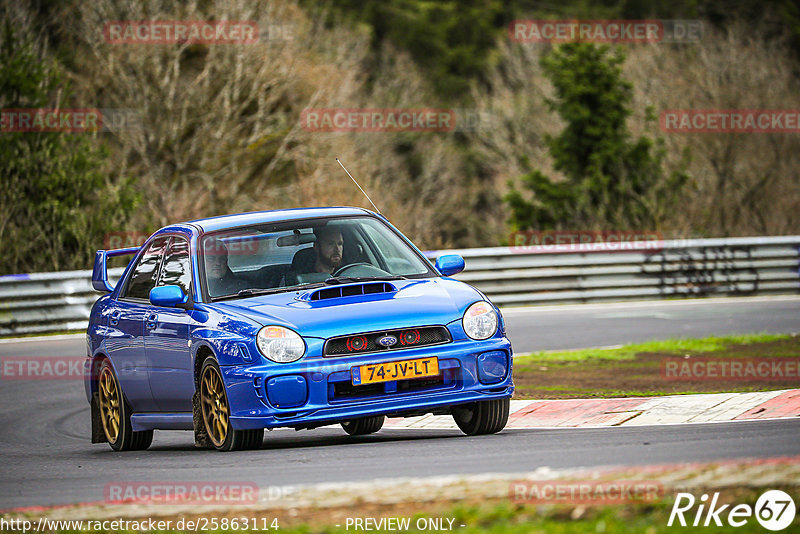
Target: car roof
(223,222)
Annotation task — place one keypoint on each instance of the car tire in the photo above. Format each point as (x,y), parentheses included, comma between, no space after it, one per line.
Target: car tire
(484,417)
(115,414)
(215,412)
(363,426)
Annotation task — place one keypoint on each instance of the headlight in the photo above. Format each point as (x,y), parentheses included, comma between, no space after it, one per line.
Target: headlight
(480,320)
(280,344)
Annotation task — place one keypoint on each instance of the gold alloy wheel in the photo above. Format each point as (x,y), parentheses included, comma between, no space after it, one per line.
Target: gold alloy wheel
(214,405)
(109,404)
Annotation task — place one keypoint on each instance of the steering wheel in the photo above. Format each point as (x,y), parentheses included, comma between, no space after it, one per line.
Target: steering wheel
(371,269)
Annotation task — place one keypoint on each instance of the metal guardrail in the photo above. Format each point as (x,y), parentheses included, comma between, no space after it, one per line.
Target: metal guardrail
(636,271)
(47,302)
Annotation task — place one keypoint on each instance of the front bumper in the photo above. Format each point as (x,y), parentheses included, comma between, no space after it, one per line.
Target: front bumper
(318,391)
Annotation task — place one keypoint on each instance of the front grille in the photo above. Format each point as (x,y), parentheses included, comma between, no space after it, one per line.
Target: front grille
(407,338)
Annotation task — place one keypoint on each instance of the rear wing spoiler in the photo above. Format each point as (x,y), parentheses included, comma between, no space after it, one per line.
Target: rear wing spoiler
(100,271)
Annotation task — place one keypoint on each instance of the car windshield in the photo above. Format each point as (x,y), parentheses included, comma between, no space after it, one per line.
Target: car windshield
(277,257)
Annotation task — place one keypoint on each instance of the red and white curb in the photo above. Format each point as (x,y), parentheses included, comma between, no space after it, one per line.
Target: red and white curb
(672,409)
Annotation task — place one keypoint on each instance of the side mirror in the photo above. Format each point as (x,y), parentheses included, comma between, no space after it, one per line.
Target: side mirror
(450,264)
(168,296)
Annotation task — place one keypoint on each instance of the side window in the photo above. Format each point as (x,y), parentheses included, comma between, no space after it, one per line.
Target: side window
(176,270)
(143,278)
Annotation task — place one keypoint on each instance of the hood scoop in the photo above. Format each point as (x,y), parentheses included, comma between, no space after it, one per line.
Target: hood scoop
(347,290)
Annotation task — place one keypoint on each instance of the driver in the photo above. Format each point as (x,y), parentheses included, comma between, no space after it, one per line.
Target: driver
(328,248)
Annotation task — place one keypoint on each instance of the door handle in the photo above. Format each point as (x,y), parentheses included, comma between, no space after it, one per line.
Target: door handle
(151,320)
(115,318)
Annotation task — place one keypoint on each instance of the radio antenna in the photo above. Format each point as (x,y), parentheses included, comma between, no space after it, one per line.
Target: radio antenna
(354,181)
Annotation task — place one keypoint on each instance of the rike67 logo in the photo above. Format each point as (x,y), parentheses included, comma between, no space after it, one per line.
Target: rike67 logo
(774,510)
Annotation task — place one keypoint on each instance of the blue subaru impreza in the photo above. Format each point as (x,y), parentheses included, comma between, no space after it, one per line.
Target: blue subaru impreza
(292,318)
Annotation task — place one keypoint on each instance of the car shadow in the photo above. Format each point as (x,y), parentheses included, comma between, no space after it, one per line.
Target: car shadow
(287,439)
(284,439)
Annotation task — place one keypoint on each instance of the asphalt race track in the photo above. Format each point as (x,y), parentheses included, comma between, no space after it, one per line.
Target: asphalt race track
(601,325)
(47,458)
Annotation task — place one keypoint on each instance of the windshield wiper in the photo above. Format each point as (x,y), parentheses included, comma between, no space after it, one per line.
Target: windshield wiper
(249,292)
(348,279)
(252,291)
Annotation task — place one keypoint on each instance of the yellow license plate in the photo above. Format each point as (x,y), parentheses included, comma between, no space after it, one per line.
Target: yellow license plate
(402,370)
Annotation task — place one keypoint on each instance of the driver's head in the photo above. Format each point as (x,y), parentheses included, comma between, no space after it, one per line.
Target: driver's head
(328,246)
(216,255)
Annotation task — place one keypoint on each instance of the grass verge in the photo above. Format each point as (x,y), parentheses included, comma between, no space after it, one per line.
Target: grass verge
(505,516)
(43,334)
(639,369)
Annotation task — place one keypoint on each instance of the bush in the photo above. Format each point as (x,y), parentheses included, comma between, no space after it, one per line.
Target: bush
(56,202)
(609,178)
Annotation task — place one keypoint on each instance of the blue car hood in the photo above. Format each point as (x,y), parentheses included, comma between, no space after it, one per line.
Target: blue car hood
(430,301)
